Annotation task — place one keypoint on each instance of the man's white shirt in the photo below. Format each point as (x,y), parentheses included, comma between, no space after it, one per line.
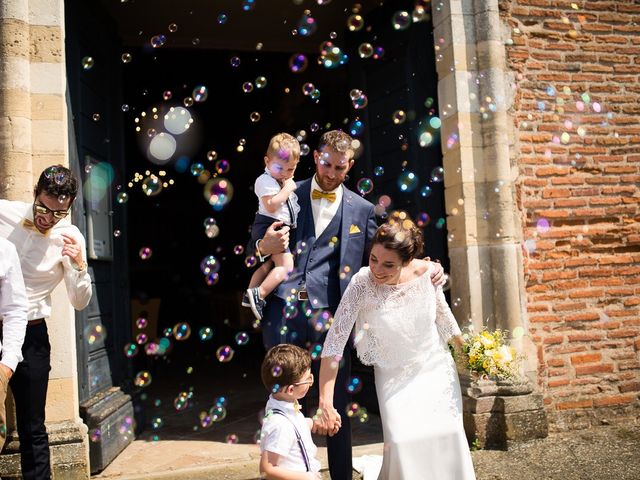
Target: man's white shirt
(324,210)
(13,305)
(41,259)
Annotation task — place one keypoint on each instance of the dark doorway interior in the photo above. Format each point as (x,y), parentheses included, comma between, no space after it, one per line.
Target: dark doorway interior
(167,286)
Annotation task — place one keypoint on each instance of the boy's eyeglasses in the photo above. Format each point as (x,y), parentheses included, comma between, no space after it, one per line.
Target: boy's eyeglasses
(305,382)
(42,210)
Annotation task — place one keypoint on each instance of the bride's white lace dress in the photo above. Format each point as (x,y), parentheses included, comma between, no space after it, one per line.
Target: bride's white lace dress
(402,331)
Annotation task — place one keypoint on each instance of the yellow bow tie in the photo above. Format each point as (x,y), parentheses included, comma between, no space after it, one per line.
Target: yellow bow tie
(318,194)
(29,225)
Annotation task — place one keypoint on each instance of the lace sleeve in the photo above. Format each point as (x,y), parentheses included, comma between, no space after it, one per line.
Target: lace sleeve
(445,321)
(344,319)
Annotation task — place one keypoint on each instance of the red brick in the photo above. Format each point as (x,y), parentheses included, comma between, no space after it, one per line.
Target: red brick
(615,400)
(629,387)
(586,358)
(556,362)
(574,405)
(558,382)
(590,369)
(623,333)
(629,365)
(562,307)
(593,293)
(553,340)
(585,337)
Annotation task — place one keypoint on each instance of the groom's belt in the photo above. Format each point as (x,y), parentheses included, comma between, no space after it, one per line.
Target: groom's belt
(303,295)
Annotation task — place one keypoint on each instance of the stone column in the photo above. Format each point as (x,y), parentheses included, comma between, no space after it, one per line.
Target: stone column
(15,101)
(34,135)
(474,94)
(487,279)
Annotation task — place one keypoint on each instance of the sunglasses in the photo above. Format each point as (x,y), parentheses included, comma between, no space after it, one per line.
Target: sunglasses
(42,210)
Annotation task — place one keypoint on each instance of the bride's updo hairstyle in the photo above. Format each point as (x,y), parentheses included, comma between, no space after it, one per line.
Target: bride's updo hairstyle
(400,234)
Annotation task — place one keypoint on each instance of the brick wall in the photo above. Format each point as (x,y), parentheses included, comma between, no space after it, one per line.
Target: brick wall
(576,113)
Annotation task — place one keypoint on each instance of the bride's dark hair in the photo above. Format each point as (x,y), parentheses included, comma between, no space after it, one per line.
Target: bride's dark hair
(400,234)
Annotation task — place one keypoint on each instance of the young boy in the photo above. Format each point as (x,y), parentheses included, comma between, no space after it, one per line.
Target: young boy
(288,452)
(277,202)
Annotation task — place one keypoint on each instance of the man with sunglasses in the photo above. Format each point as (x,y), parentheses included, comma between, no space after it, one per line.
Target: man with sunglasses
(50,250)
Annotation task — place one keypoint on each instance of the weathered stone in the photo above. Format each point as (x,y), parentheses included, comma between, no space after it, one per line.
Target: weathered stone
(68,445)
(527,425)
(107,412)
(498,412)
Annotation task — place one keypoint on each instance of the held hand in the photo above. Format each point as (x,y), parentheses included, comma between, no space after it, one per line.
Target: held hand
(318,427)
(72,249)
(438,277)
(275,240)
(330,419)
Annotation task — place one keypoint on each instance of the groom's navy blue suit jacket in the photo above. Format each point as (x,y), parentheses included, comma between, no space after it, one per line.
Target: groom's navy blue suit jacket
(323,265)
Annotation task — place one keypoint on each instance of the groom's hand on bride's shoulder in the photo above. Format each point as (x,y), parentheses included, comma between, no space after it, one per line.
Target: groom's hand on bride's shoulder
(438,277)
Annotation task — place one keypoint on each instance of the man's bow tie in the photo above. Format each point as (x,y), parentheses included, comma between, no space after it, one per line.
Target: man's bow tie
(318,194)
(29,225)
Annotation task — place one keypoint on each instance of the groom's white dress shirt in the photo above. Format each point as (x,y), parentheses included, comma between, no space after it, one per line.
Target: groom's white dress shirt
(323,210)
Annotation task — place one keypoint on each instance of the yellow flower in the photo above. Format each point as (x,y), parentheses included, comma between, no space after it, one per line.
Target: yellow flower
(505,353)
(487,339)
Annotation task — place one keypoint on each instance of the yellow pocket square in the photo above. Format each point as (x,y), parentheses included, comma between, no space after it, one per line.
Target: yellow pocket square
(353,229)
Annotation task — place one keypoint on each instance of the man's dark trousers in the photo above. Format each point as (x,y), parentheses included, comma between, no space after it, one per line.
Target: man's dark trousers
(29,387)
(301,332)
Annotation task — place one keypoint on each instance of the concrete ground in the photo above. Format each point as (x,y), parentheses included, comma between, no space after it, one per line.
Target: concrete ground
(181,448)
(602,453)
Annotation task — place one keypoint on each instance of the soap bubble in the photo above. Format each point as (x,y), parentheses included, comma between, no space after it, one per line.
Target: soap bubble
(224,353)
(142,379)
(365,186)
(209,264)
(200,93)
(437,175)
(87,63)
(401,20)
(130,350)
(354,385)
(158,40)
(355,23)
(365,50)
(95,334)
(181,402)
(399,116)
(205,334)
(298,63)
(407,181)
(181,331)
(261,82)
(242,338)
(218,192)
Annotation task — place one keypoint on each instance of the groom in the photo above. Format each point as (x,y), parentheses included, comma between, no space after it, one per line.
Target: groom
(331,243)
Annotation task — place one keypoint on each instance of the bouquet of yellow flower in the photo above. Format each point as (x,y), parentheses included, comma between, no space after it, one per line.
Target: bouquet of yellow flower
(488,355)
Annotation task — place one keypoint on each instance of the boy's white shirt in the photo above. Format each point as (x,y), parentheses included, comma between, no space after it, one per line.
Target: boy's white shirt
(266,185)
(278,436)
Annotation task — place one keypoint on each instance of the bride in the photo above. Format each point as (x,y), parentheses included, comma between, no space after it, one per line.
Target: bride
(402,326)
